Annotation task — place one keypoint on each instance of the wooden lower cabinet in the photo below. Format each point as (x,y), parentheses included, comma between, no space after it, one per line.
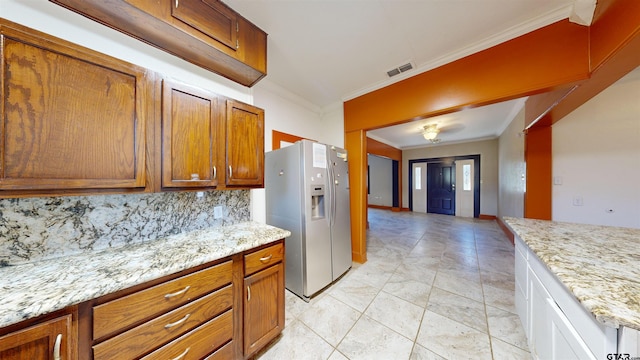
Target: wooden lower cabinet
(51,339)
(264,308)
(195,314)
(263,297)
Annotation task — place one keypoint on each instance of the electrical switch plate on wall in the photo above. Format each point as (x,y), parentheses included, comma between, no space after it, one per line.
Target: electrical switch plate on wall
(577,201)
(217,212)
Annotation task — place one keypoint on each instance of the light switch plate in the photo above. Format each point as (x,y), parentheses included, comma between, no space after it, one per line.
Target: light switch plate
(217,212)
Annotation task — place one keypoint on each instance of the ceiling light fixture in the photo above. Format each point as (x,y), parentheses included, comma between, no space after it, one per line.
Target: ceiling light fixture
(430,133)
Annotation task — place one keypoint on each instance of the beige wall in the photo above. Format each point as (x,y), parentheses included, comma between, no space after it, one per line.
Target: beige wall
(596,158)
(512,169)
(488,151)
(380,181)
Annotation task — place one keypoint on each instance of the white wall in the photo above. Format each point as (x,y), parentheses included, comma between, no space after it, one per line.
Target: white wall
(287,112)
(380,181)
(512,169)
(488,151)
(596,155)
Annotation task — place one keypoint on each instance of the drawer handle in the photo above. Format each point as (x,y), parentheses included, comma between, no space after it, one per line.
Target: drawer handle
(177,293)
(266,259)
(184,353)
(170,325)
(56,347)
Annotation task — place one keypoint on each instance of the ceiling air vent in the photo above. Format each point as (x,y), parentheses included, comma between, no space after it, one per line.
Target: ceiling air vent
(400,69)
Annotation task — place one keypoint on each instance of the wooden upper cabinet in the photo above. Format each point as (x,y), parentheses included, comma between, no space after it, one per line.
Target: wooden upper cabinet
(245,145)
(212,18)
(204,32)
(72,119)
(190,140)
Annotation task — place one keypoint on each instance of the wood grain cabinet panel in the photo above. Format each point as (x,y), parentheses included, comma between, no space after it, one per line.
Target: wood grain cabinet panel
(263,297)
(72,119)
(144,338)
(211,17)
(51,339)
(245,145)
(263,258)
(121,313)
(190,136)
(201,342)
(204,32)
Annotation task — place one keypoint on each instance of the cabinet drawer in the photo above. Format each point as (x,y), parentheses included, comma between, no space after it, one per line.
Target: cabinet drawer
(121,313)
(263,258)
(162,329)
(199,342)
(224,353)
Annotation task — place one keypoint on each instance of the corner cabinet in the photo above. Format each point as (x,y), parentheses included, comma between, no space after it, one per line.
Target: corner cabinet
(263,297)
(206,33)
(49,339)
(190,136)
(245,145)
(73,118)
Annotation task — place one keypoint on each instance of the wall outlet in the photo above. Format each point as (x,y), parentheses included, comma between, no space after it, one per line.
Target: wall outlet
(577,201)
(217,212)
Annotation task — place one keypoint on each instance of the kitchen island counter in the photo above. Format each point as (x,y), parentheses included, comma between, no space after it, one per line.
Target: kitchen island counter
(599,265)
(38,288)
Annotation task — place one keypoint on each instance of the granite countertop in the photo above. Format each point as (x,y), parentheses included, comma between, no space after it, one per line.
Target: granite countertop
(34,289)
(600,265)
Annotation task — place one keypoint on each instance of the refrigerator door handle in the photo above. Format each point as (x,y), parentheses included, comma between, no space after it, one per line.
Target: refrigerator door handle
(333,193)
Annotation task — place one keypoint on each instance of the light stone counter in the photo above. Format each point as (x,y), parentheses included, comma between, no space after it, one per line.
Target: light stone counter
(30,290)
(600,265)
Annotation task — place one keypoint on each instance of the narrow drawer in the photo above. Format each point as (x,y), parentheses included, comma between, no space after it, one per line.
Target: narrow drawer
(143,338)
(200,342)
(263,258)
(116,315)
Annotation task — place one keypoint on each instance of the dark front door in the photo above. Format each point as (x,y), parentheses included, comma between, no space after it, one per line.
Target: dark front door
(441,189)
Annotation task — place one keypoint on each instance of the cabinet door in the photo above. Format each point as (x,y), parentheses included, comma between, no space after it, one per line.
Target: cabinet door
(540,321)
(73,118)
(189,136)
(263,307)
(49,340)
(210,17)
(245,145)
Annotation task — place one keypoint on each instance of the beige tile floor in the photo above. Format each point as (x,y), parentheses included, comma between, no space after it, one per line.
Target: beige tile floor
(434,287)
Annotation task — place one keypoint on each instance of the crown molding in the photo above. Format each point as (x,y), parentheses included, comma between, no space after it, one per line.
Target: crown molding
(270,86)
(513,32)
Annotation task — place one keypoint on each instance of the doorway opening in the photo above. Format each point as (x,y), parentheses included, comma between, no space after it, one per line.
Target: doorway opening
(446,185)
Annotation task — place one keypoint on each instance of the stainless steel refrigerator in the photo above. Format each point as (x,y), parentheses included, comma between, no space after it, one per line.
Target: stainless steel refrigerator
(307,193)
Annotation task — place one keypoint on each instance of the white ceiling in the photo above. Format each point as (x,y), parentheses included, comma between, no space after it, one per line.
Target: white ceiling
(329,51)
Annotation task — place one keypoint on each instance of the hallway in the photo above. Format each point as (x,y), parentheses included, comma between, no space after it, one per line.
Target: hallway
(434,287)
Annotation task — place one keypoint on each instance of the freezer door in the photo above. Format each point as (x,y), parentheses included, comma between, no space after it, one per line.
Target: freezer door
(341,219)
(317,217)
(284,207)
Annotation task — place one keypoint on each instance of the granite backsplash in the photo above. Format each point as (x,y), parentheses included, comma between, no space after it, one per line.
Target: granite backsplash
(35,229)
